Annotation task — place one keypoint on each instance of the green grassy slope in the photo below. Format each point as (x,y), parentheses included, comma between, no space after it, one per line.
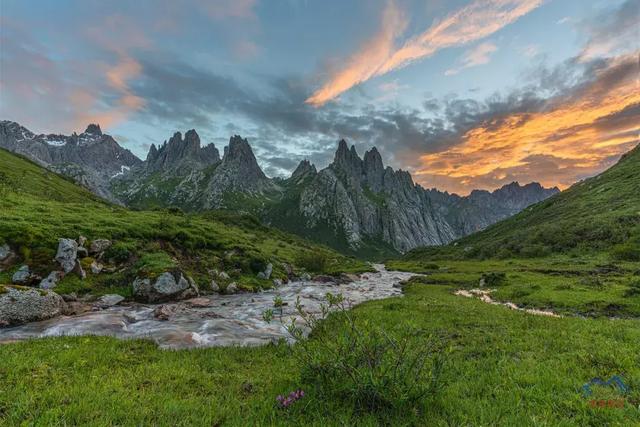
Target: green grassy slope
(503,368)
(37,207)
(600,213)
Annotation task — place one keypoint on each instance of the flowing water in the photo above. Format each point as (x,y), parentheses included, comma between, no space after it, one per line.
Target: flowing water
(217,320)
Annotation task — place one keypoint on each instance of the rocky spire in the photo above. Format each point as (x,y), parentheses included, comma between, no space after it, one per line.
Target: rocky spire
(182,152)
(305,169)
(239,156)
(373,169)
(347,161)
(94,129)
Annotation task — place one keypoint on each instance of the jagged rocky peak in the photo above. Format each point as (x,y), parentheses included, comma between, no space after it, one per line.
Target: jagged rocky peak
(347,160)
(94,129)
(239,155)
(373,170)
(305,169)
(177,151)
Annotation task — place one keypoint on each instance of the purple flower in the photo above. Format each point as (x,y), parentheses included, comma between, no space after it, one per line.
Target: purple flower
(294,396)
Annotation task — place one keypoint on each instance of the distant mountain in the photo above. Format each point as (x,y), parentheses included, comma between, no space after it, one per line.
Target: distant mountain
(184,174)
(355,204)
(92,158)
(598,214)
(368,207)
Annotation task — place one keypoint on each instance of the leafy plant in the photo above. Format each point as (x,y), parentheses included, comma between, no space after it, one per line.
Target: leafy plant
(362,363)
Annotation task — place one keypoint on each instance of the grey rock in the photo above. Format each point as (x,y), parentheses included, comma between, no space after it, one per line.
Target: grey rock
(81,241)
(99,245)
(70,297)
(51,281)
(67,253)
(223,275)
(305,277)
(24,305)
(261,275)
(214,286)
(164,312)
(79,270)
(96,267)
(110,300)
(22,276)
(277,282)
(268,270)
(169,286)
(5,252)
(231,288)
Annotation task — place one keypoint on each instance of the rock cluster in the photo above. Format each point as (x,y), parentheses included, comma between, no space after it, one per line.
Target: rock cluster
(168,286)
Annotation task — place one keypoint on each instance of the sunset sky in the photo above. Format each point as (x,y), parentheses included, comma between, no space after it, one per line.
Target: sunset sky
(463,94)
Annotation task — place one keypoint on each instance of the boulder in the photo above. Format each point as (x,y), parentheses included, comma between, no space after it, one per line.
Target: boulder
(268,271)
(51,281)
(288,269)
(22,276)
(214,286)
(99,245)
(231,288)
(305,277)
(106,301)
(21,305)
(169,286)
(277,282)
(223,275)
(67,254)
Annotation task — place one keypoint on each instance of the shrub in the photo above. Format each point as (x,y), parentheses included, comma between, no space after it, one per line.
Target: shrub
(493,278)
(118,252)
(364,365)
(315,262)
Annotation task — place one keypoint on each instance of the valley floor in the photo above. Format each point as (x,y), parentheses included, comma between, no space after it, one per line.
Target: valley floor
(503,367)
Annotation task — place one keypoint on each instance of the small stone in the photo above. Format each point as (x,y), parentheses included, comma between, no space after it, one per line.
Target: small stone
(224,276)
(79,271)
(163,312)
(99,245)
(5,252)
(277,282)
(81,241)
(198,302)
(232,288)
(305,277)
(261,275)
(109,300)
(51,280)
(70,297)
(96,267)
(268,271)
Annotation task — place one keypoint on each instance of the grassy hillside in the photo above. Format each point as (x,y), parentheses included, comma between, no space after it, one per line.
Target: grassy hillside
(37,207)
(599,214)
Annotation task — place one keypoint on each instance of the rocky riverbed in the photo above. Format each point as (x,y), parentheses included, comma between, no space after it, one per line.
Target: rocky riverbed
(215,320)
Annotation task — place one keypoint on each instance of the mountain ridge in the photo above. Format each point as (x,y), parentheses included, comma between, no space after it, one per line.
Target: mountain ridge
(356,204)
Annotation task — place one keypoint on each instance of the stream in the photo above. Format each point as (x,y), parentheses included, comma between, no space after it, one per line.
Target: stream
(217,320)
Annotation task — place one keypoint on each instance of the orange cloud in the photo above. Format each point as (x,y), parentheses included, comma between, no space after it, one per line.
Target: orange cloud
(362,65)
(570,139)
(473,22)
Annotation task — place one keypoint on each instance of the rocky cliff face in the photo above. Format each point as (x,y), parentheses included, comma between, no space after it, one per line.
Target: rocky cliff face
(92,158)
(363,200)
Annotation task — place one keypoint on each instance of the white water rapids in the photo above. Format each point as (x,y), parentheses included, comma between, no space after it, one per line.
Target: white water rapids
(224,320)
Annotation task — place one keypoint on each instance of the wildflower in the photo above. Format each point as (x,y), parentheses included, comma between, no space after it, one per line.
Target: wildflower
(294,396)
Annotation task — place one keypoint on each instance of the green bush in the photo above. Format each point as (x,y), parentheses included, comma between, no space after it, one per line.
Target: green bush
(119,252)
(374,369)
(315,262)
(493,278)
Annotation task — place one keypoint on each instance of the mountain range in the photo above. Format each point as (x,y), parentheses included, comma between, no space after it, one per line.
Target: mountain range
(355,204)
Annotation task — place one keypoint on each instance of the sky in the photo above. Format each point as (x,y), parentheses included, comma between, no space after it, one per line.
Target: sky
(463,94)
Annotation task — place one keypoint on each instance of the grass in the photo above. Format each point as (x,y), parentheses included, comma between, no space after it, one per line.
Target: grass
(503,367)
